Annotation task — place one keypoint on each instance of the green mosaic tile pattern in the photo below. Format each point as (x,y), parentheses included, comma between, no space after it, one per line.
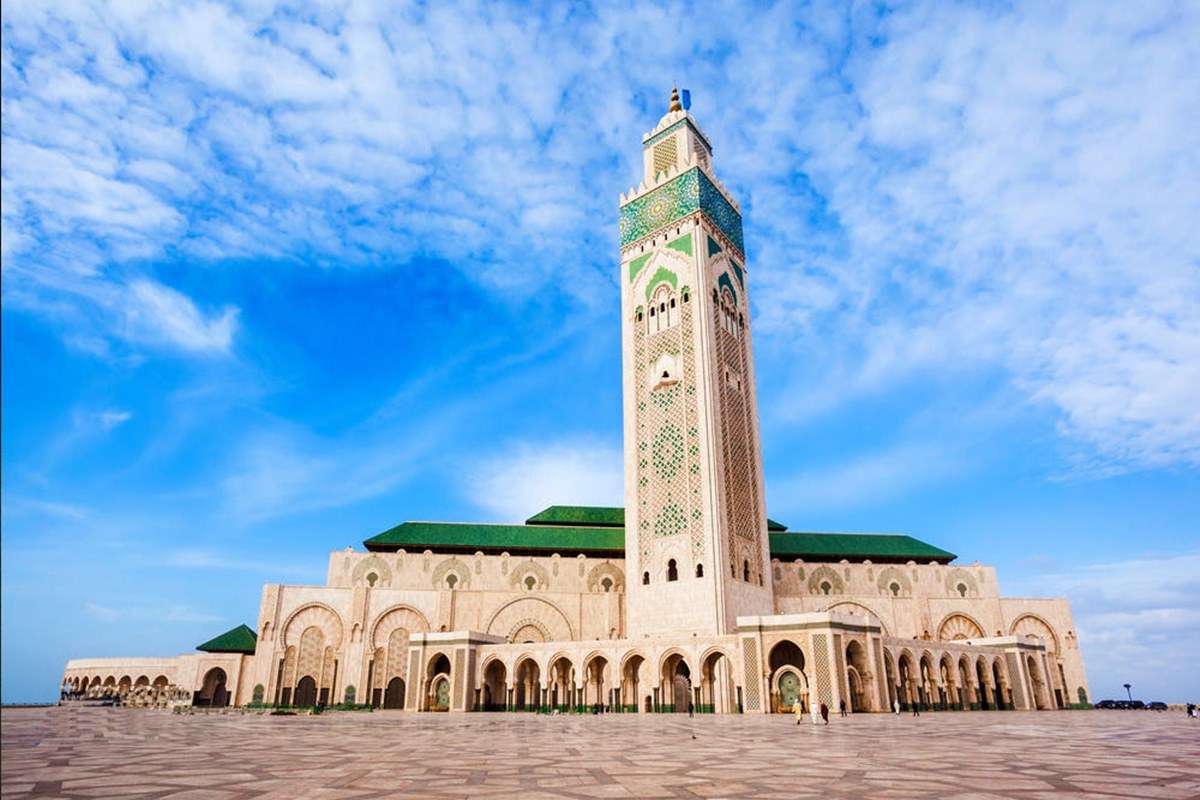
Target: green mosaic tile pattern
(660,275)
(724,281)
(667,452)
(636,265)
(691,191)
(671,521)
(683,244)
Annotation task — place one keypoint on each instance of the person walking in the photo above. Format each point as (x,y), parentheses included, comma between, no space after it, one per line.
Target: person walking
(814,713)
(916,709)
(691,709)
(896,707)
(798,710)
(825,713)
(842,708)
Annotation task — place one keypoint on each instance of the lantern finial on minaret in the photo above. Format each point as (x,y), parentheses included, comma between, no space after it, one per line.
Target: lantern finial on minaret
(675,106)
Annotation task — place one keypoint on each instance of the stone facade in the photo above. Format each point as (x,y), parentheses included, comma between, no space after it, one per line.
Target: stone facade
(697,613)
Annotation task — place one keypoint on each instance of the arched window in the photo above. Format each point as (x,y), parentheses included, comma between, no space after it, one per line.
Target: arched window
(686,295)
(895,589)
(664,303)
(451,579)
(371,578)
(746,571)
(672,571)
(962,590)
(826,587)
(699,570)
(606,584)
(645,579)
(530,582)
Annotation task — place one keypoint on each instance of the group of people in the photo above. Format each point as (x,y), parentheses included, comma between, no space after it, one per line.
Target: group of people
(816,713)
(1191,709)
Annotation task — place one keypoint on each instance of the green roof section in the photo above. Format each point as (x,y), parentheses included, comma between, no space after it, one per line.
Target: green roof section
(600,531)
(881,547)
(587,516)
(235,640)
(468,537)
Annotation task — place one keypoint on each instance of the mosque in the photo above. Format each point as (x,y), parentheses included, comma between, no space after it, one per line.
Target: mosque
(689,596)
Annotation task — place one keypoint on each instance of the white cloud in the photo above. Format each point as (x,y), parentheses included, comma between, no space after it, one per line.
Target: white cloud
(112,418)
(933,188)
(175,613)
(1136,622)
(526,477)
(868,478)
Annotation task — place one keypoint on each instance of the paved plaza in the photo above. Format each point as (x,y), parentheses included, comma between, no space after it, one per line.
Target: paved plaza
(105,752)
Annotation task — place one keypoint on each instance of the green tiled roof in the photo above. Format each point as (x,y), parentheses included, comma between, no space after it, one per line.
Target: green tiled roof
(855,547)
(235,640)
(587,516)
(470,536)
(598,531)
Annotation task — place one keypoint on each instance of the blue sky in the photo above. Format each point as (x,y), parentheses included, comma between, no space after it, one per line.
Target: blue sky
(276,278)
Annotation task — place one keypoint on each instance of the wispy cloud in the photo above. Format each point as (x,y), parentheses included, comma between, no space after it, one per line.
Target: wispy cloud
(868,478)
(175,613)
(1136,621)
(1004,185)
(525,477)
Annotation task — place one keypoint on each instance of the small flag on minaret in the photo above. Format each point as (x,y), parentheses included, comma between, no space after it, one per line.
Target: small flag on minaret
(685,99)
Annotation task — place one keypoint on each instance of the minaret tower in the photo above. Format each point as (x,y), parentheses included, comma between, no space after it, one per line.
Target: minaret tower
(696,549)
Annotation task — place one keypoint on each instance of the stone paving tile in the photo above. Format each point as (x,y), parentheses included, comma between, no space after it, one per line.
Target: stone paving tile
(80,752)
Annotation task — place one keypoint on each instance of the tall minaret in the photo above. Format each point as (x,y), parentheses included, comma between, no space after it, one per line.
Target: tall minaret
(696,548)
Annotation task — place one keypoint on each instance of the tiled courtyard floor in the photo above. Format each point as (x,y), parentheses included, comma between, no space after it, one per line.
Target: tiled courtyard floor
(105,752)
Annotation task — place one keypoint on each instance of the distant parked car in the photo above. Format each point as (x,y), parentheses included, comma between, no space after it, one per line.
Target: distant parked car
(1157,705)
(1137,704)
(1109,704)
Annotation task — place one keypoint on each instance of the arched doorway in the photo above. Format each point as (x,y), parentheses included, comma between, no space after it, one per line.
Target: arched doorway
(965,698)
(909,694)
(630,674)
(527,688)
(949,692)
(787,680)
(393,695)
(212,690)
(562,683)
(859,676)
(306,692)
(676,684)
(495,686)
(594,686)
(716,684)
(438,672)
(143,680)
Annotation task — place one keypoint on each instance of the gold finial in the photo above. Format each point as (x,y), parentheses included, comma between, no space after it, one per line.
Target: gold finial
(675,106)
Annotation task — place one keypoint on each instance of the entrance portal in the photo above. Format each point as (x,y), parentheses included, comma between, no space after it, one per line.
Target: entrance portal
(393,697)
(306,692)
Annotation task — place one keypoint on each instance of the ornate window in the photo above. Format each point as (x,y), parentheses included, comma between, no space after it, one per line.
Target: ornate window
(451,580)
(606,584)
(826,587)
(962,589)
(664,310)
(645,579)
(746,571)
(699,570)
(894,588)
(371,578)
(672,571)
